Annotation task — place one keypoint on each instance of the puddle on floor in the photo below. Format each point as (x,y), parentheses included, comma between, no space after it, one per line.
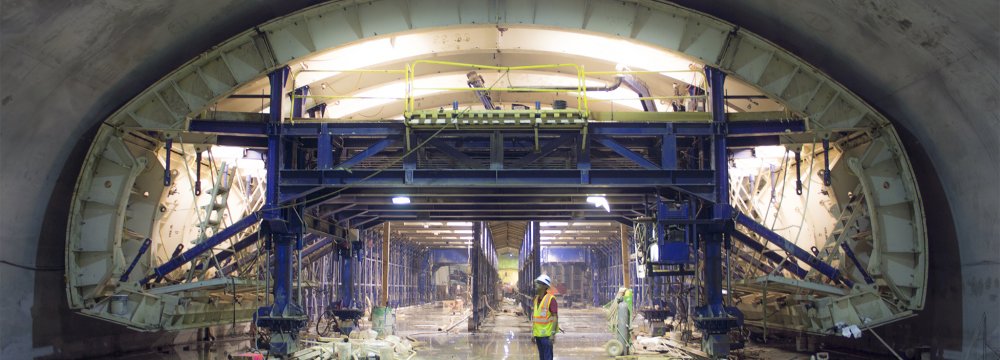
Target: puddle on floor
(504,336)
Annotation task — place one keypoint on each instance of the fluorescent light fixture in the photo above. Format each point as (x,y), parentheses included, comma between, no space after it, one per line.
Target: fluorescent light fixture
(247,160)
(424,224)
(766,158)
(599,201)
(226,153)
(770,152)
(551,231)
(466,238)
(554,223)
(462,231)
(459,224)
(401,200)
(548,237)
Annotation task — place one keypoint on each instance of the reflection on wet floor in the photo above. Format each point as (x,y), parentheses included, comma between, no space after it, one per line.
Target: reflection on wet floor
(504,336)
(443,334)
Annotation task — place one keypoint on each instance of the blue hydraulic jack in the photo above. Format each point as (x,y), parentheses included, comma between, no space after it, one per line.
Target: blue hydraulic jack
(283,230)
(714,319)
(346,310)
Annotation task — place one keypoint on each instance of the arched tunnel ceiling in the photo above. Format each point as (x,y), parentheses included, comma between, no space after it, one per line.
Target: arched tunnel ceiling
(106,221)
(919,62)
(485,45)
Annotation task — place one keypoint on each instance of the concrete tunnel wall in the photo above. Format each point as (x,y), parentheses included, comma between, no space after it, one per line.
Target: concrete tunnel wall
(931,67)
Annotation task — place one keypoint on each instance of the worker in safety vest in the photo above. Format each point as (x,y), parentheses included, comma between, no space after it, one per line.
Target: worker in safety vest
(544,322)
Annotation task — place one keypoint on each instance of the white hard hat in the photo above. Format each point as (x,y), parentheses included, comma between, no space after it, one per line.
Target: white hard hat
(544,279)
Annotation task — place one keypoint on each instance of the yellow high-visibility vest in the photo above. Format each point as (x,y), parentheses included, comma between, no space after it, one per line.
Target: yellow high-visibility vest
(542,324)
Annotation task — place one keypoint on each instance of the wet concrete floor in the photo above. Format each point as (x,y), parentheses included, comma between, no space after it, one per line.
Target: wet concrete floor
(442,334)
(504,336)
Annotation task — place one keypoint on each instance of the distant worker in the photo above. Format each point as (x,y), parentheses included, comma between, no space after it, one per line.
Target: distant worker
(544,319)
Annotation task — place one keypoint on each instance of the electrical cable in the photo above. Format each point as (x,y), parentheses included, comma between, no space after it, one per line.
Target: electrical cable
(31,268)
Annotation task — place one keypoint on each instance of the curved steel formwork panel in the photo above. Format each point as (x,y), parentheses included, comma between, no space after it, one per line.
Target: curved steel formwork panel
(119,191)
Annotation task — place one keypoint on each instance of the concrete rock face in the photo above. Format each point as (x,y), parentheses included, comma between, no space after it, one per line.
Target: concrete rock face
(930,66)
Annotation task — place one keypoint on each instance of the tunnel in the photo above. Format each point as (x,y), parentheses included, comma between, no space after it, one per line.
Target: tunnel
(746,179)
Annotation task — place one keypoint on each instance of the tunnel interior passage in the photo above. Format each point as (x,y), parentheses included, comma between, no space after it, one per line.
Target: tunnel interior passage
(735,197)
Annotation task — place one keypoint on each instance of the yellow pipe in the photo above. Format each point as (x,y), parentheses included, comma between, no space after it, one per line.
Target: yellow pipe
(345,97)
(539,90)
(656,98)
(389,71)
(640,72)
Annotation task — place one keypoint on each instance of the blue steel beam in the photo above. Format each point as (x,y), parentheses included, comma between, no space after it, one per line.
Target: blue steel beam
(496,151)
(583,158)
(298,100)
(221,256)
(396,128)
(668,149)
(202,247)
(625,152)
(374,149)
(774,257)
(477,276)
(446,207)
(490,178)
(227,127)
(283,317)
(324,148)
(315,247)
(549,147)
(472,213)
(135,260)
(462,159)
(166,169)
(715,319)
(799,253)
(857,264)
(449,256)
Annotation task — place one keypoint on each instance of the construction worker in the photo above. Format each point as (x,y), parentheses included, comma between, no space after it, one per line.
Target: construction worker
(544,319)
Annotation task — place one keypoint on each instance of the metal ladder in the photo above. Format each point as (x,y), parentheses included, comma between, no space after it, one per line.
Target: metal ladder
(210,216)
(217,206)
(830,253)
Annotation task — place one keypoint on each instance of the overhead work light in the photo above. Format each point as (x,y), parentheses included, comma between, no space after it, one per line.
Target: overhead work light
(401,200)
(599,201)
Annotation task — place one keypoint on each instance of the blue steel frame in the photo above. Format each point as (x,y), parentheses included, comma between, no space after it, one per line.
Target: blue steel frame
(285,316)
(485,277)
(641,158)
(713,317)
(605,155)
(529,265)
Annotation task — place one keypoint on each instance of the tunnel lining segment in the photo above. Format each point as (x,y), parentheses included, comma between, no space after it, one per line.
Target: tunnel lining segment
(169,105)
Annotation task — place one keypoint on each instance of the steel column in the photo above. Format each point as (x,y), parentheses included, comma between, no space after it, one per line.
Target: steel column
(284,317)
(386,242)
(624,239)
(713,318)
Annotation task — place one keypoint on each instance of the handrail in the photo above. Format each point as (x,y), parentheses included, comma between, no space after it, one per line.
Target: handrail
(410,87)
